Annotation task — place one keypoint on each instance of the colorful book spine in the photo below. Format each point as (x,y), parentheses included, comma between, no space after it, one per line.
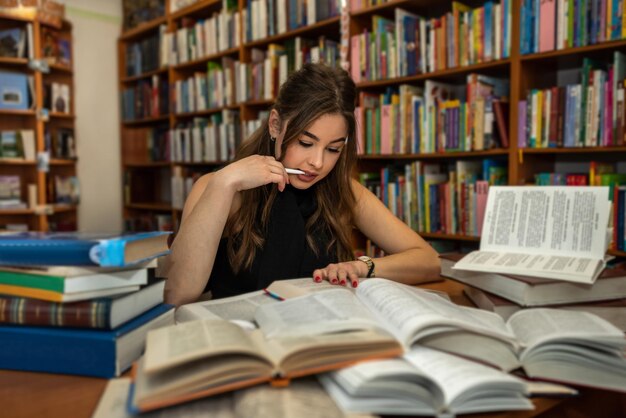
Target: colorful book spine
(94,313)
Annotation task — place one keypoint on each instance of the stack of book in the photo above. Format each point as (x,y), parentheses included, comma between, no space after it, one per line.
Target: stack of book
(506,294)
(544,247)
(79,303)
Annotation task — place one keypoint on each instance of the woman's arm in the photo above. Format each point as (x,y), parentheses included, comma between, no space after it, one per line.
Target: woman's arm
(410,259)
(205,214)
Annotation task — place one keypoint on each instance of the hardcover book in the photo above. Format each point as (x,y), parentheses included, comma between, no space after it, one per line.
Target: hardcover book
(80,248)
(551,232)
(45,284)
(105,313)
(85,352)
(613,311)
(534,291)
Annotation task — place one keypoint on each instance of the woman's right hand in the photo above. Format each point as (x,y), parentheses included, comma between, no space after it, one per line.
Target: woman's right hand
(253,171)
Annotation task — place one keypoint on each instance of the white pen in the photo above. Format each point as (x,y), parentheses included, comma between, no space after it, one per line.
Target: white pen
(294,171)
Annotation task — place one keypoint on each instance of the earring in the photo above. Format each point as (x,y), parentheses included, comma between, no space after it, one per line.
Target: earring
(272,138)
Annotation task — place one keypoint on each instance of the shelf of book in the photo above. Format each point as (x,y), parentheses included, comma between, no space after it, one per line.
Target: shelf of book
(319,28)
(452,61)
(24,136)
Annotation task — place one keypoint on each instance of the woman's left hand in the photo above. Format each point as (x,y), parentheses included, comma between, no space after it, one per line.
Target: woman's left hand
(341,274)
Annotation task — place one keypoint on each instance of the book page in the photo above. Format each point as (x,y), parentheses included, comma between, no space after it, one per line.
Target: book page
(412,314)
(457,377)
(569,268)
(113,401)
(302,398)
(240,307)
(552,220)
(534,326)
(316,313)
(288,289)
(183,343)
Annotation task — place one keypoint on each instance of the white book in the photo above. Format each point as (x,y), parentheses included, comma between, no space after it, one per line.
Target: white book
(552,232)
(425,382)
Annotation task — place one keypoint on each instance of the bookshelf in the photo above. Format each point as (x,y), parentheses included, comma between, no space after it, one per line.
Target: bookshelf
(504,60)
(38,159)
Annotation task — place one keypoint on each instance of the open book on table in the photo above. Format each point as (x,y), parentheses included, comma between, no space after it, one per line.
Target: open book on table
(566,346)
(201,358)
(425,382)
(241,309)
(551,232)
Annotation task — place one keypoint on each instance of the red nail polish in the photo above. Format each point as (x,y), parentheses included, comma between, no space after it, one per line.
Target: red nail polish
(355,283)
(342,282)
(334,281)
(317,279)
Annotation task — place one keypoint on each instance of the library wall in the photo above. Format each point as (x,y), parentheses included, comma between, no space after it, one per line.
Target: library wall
(96,28)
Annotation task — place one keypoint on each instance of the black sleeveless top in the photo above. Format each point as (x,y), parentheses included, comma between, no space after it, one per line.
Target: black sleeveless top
(285,254)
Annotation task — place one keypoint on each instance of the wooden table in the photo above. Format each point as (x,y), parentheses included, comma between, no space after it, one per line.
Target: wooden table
(42,395)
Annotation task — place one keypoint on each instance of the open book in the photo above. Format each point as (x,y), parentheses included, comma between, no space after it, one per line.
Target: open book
(425,382)
(201,358)
(303,398)
(551,232)
(240,309)
(567,346)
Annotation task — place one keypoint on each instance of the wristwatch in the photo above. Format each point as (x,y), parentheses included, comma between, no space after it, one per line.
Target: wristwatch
(370,265)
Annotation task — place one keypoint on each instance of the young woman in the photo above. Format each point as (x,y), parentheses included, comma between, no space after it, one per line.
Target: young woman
(251,222)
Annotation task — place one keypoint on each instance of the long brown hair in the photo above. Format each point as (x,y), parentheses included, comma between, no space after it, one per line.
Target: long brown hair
(307,94)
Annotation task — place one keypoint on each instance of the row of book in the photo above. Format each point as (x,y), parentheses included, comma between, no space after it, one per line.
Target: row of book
(585,114)
(211,139)
(145,55)
(146,99)
(91,313)
(264,18)
(410,44)
(440,117)
(433,197)
(231,81)
(558,24)
(199,38)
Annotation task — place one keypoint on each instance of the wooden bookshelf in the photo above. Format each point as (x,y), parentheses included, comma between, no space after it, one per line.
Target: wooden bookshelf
(53,44)
(523,71)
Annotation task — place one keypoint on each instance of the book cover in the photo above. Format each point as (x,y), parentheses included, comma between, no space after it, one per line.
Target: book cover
(13,91)
(85,352)
(79,248)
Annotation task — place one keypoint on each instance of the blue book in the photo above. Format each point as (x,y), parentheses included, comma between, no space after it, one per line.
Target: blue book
(81,249)
(13,91)
(85,352)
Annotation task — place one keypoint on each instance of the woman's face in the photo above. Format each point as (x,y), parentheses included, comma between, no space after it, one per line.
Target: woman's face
(316,152)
